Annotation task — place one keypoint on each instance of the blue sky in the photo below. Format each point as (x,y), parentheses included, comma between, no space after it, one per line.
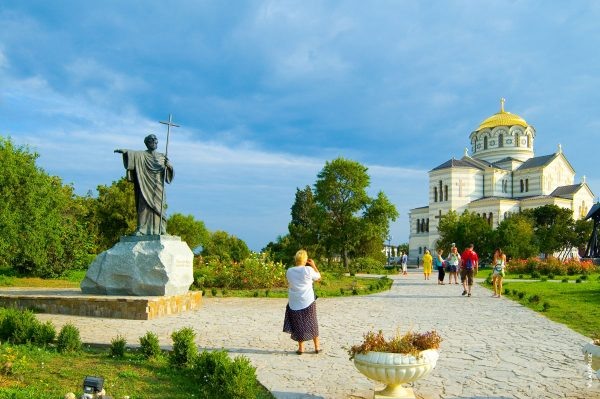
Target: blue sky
(267,91)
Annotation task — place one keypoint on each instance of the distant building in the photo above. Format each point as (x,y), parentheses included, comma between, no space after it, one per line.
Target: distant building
(501,177)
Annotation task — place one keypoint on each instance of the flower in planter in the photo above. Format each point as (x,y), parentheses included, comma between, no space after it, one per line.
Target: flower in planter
(411,343)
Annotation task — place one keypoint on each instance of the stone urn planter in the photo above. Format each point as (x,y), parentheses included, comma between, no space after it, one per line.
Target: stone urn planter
(592,356)
(395,369)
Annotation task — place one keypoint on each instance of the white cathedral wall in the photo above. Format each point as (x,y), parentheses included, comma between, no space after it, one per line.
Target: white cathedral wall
(556,174)
(582,203)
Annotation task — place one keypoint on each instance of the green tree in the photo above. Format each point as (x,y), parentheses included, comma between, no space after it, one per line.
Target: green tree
(463,230)
(116,214)
(304,229)
(553,226)
(375,227)
(347,215)
(225,247)
(516,237)
(41,220)
(192,231)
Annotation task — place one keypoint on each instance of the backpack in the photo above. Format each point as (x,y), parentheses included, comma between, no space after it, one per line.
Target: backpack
(468,263)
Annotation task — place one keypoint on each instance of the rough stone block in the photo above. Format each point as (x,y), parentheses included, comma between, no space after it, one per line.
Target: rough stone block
(142,266)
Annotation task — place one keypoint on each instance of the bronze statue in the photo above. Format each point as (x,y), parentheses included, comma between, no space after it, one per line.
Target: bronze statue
(148,170)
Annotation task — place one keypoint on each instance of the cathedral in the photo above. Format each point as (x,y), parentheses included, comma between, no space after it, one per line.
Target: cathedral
(500,176)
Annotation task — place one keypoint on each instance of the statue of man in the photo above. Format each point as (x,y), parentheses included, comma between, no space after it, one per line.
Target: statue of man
(146,169)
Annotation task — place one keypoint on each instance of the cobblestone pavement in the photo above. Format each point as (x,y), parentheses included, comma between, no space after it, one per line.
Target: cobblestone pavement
(493,348)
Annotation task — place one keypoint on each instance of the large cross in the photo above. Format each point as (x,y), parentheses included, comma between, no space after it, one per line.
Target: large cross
(169,124)
(502,100)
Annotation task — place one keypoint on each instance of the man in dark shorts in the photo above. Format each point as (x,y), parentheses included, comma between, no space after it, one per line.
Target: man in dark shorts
(468,268)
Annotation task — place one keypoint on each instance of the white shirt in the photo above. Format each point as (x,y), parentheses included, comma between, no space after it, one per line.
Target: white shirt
(300,286)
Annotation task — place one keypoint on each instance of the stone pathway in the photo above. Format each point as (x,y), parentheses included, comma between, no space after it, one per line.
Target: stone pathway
(493,348)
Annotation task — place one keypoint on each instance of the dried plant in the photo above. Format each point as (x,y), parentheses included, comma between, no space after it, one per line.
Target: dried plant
(596,338)
(410,343)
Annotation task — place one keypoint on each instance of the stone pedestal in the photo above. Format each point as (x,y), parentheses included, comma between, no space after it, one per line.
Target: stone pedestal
(142,266)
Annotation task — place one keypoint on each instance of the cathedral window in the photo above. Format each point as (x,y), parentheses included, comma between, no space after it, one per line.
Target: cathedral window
(420,250)
(485,143)
(418,225)
(517,141)
(435,194)
(440,190)
(522,186)
(500,140)
(491,219)
(445,193)
(427,225)
(529,141)
(526,185)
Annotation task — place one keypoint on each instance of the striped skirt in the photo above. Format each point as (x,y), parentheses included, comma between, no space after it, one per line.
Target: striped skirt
(301,324)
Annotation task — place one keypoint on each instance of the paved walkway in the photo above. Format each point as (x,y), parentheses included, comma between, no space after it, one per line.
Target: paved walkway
(493,348)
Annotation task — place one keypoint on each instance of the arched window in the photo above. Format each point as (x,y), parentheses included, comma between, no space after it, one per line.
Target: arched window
(517,140)
(446,192)
(501,140)
(420,250)
(435,194)
(526,185)
(427,225)
(440,190)
(485,143)
(522,186)
(491,219)
(418,225)
(529,141)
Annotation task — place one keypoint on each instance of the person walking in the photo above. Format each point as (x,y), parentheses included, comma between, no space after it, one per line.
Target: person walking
(468,269)
(427,264)
(404,263)
(301,311)
(438,262)
(499,262)
(452,264)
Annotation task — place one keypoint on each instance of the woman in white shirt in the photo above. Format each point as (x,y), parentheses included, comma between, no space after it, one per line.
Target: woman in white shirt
(301,311)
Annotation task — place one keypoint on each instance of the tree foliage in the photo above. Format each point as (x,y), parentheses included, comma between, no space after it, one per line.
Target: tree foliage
(115,214)
(516,237)
(468,228)
(554,227)
(192,231)
(225,247)
(43,224)
(337,218)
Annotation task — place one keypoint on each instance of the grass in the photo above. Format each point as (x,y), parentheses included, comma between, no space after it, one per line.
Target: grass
(574,305)
(45,374)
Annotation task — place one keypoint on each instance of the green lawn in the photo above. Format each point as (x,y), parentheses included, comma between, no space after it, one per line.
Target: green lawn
(575,305)
(38,373)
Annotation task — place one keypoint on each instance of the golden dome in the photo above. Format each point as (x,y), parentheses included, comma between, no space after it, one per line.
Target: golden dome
(502,118)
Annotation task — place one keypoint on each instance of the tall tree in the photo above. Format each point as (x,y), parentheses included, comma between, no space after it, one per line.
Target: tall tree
(225,247)
(41,220)
(463,230)
(347,214)
(304,228)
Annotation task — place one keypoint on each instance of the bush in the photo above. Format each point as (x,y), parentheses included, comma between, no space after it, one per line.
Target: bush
(550,276)
(184,348)
(535,275)
(150,346)
(521,294)
(565,280)
(545,306)
(17,326)
(44,333)
(366,265)
(534,299)
(221,377)
(117,346)
(68,339)
(578,281)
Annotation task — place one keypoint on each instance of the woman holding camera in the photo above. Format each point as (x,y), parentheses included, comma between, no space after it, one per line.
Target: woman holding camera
(301,311)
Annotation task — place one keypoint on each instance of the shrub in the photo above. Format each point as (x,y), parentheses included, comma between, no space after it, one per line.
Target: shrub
(213,291)
(255,294)
(535,275)
(17,326)
(117,346)
(150,346)
(534,299)
(68,339)
(507,291)
(224,292)
(578,281)
(551,276)
(520,276)
(44,333)
(514,292)
(521,294)
(583,277)
(545,306)
(544,279)
(366,265)
(184,348)
(565,280)
(221,377)
(354,291)
(267,292)
(342,292)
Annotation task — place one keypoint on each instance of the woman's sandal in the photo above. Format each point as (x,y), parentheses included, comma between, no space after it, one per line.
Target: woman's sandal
(299,352)
(318,350)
